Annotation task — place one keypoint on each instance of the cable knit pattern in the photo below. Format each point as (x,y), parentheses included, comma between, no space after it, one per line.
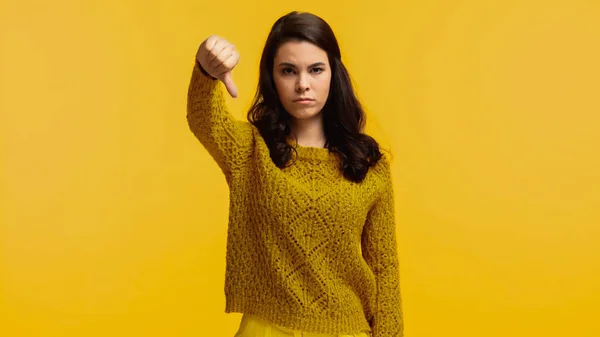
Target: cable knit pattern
(306,248)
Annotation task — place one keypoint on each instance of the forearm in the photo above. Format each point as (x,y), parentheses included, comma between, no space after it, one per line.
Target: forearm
(211,121)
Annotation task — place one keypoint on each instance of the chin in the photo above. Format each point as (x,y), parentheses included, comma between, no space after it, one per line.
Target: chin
(305,114)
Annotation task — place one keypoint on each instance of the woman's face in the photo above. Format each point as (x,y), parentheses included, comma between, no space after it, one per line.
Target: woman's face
(301,71)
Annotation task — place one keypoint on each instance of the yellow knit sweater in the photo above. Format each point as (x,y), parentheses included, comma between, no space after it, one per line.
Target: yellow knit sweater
(306,248)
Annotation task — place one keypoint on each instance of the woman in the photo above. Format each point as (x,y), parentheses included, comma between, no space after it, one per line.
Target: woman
(311,244)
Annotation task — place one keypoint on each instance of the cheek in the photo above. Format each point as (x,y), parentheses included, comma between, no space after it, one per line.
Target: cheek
(324,88)
(282,87)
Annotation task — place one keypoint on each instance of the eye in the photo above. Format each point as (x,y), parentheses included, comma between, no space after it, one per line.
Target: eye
(320,70)
(285,71)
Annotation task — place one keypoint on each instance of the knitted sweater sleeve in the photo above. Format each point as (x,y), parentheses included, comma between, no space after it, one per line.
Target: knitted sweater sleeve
(225,138)
(379,248)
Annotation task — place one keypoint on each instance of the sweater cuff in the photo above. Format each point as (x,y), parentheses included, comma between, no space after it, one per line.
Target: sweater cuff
(204,71)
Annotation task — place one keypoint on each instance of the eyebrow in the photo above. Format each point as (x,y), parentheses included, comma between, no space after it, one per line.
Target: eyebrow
(294,66)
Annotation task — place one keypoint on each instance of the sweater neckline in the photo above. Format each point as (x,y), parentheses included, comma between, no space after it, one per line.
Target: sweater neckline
(313,152)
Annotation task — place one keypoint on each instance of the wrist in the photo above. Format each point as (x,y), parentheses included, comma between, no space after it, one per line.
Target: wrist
(204,71)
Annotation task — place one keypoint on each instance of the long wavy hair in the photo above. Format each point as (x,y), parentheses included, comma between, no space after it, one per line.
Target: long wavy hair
(343,115)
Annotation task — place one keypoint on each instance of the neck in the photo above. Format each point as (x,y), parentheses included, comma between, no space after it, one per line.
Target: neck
(308,132)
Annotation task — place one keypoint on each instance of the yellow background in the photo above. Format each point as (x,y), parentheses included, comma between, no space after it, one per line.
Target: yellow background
(113,217)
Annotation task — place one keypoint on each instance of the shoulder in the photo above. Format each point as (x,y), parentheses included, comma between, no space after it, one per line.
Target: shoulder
(383,167)
(248,128)
(381,174)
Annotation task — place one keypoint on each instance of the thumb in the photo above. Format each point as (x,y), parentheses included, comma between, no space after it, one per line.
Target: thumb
(228,81)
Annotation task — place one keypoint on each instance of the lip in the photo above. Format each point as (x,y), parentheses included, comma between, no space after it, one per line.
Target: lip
(304,100)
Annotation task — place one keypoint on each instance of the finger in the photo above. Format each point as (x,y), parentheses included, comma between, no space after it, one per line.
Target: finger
(222,57)
(227,64)
(206,46)
(216,50)
(228,81)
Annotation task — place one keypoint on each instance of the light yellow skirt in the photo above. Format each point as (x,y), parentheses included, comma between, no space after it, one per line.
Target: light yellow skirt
(253,326)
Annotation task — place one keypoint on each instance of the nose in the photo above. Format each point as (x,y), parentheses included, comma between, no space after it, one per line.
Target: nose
(302,84)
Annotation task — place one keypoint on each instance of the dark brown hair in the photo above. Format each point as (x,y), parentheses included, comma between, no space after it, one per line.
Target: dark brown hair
(343,115)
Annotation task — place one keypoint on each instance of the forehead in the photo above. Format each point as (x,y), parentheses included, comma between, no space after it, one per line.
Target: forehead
(300,52)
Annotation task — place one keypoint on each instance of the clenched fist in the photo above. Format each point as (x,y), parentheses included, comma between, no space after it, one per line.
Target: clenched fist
(218,57)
